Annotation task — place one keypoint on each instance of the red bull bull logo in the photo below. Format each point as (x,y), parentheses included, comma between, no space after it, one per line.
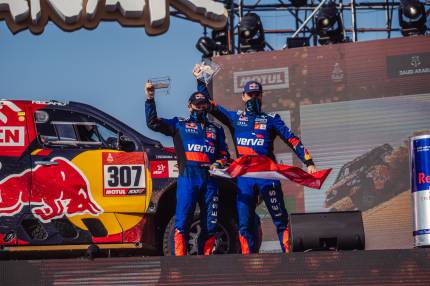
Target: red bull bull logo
(14,193)
(56,190)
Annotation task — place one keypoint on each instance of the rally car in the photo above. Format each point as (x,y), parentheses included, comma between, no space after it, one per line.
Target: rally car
(365,181)
(74,178)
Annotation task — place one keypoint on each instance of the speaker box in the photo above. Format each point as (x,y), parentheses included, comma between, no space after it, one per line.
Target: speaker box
(326,231)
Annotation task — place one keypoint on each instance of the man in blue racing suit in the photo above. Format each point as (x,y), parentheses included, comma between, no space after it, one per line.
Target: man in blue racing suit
(199,145)
(253,132)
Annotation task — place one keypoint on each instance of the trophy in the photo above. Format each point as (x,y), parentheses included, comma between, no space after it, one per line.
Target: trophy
(208,70)
(161,85)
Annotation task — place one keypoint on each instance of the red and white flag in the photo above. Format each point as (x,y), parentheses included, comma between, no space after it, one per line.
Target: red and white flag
(262,167)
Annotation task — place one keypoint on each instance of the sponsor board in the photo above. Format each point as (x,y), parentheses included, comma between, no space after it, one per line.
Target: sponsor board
(276,78)
(408,65)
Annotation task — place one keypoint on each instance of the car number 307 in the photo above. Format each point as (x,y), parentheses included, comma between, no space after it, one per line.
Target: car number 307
(124,176)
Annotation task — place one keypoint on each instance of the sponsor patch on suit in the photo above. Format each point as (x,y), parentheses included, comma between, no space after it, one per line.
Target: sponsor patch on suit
(260,126)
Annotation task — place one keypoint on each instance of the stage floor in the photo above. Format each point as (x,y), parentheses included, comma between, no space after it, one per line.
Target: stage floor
(372,267)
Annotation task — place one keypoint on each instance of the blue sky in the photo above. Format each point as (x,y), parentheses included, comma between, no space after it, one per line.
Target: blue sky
(107,67)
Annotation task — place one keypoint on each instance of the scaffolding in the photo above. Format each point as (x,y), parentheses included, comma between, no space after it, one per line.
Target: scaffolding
(300,21)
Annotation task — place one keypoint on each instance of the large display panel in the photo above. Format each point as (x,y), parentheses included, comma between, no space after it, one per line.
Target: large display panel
(354,106)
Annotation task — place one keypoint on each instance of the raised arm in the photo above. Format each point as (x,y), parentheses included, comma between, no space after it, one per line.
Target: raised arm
(165,126)
(219,112)
(294,143)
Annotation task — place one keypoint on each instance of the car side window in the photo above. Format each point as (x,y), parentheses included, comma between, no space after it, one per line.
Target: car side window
(107,133)
(87,132)
(65,131)
(62,127)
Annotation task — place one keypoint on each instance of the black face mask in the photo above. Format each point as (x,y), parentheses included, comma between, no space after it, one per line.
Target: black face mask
(199,115)
(254,105)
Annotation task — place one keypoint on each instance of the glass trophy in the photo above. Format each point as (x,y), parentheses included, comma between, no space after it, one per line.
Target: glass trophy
(161,85)
(209,70)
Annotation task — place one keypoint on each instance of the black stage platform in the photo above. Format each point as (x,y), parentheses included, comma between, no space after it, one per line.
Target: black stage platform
(376,267)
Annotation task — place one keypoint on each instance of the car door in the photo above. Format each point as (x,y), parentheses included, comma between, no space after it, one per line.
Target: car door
(15,170)
(82,176)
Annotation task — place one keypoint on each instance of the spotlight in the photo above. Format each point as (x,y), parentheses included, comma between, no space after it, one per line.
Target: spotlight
(251,33)
(220,37)
(329,25)
(206,46)
(412,17)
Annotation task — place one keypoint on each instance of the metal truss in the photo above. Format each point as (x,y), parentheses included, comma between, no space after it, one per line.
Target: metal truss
(302,23)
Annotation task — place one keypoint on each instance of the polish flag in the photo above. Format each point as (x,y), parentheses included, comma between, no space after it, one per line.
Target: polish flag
(262,167)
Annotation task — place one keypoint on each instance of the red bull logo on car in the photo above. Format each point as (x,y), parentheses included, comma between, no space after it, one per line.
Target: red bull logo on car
(57,190)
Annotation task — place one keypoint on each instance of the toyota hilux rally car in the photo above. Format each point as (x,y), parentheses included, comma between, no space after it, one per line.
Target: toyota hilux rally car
(74,178)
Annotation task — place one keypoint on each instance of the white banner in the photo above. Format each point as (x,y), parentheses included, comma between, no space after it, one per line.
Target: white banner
(74,14)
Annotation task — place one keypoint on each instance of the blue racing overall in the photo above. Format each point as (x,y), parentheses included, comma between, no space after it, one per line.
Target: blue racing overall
(254,134)
(197,146)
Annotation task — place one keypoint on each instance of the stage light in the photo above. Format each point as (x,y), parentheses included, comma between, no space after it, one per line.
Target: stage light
(329,26)
(299,3)
(206,46)
(251,33)
(220,37)
(412,17)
